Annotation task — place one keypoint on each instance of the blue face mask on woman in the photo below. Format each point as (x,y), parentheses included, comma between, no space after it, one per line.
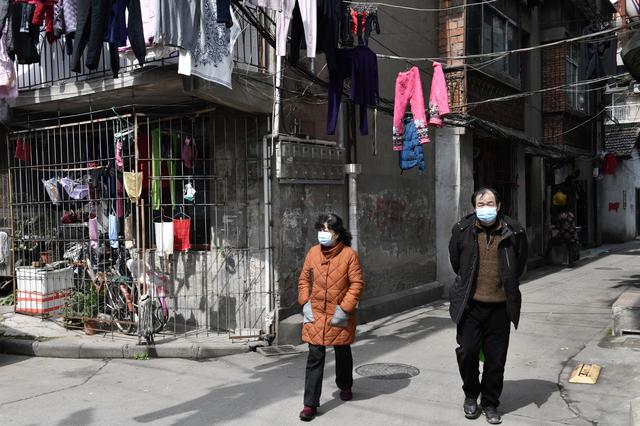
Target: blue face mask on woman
(486,214)
(325,238)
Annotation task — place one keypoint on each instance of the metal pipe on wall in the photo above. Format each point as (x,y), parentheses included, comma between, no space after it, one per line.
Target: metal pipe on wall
(352,171)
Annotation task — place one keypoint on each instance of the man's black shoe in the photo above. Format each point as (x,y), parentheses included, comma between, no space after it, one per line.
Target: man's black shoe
(492,415)
(471,410)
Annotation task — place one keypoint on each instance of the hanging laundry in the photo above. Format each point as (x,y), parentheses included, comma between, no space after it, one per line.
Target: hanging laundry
(182,234)
(23,36)
(65,18)
(211,57)
(119,197)
(328,33)
(93,17)
(372,24)
(361,65)
(275,5)
(438,97)
(409,91)
(93,232)
(125,23)
(609,165)
(8,81)
(144,160)
(119,159)
(51,186)
(223,8)
(177,22)
(75,189)
(113,231)
(412,154)
(189,152)
(133,185)
(43,14)
(5,12)
(23,150)
(4,248)
(162,164)
(164,238)
(307,13)
(189,192)
(128,231)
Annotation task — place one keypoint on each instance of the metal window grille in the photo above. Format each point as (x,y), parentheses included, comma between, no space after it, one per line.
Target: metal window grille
(213,284)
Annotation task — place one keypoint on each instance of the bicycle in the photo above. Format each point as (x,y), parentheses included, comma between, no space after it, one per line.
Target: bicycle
(121,301)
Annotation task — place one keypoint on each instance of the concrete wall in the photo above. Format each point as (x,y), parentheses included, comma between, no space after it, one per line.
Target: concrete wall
(619,225)
(454,187)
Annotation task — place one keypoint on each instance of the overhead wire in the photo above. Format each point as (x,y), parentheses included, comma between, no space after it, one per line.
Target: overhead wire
(419,9)
(507,52)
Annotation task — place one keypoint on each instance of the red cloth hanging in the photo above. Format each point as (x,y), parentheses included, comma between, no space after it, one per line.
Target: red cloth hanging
(181,234)
(23,150)
(610,164)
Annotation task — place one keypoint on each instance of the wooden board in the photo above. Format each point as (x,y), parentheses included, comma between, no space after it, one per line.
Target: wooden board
(585,373)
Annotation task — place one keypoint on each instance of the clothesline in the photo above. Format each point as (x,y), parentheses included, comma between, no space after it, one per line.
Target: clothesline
(506,52)
(419,9)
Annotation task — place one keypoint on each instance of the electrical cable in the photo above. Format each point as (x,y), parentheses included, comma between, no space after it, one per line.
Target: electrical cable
(508,52)
(418,9)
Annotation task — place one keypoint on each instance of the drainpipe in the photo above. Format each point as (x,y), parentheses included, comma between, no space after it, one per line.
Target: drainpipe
(270,289)
(352,171)
(269,292)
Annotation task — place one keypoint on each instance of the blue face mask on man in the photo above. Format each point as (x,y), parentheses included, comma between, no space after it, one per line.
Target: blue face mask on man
(325,238)
(487,214)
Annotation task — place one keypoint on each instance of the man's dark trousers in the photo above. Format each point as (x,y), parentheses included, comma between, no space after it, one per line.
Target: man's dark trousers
(483,325)
(315,372)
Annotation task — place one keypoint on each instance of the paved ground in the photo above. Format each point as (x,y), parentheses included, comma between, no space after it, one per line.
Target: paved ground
(566,317)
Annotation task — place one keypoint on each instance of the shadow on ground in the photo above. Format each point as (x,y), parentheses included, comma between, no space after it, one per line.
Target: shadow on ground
(632,281)
(269,381)
(518,394)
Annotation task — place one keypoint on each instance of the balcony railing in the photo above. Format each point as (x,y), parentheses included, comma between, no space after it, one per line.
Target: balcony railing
(251,53)
(624,113)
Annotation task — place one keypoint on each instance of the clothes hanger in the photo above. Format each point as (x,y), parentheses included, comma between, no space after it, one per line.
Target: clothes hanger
(182,213)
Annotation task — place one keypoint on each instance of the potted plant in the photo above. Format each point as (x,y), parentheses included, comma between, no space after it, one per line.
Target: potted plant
(82,307)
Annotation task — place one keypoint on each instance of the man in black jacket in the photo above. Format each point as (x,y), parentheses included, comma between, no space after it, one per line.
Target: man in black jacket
(488,253)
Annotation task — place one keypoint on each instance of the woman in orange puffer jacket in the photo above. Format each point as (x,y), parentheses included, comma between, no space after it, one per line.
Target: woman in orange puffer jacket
(329,289)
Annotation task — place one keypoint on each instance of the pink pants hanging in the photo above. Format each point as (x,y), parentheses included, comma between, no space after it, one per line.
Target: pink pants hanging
(438,97)
(409,91)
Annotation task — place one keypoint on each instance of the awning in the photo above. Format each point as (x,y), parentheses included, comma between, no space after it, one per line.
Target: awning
(496,131)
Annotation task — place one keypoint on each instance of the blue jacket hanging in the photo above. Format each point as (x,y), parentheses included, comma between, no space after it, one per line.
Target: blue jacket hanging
(412,154)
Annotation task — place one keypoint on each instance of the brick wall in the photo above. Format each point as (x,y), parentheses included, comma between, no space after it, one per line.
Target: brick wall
(509,113)
(554,74)
(452,30)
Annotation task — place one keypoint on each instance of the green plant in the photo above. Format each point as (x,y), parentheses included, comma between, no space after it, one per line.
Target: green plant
(82,304)
(141,356)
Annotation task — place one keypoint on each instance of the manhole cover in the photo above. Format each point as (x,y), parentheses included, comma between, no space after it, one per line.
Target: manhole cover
(607,268)
(278,350)
(387,371)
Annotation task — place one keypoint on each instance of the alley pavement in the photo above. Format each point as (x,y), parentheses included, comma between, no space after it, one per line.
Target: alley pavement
(566,320)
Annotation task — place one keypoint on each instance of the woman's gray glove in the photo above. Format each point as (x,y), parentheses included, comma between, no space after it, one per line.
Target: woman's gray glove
(307,312)
(340,318)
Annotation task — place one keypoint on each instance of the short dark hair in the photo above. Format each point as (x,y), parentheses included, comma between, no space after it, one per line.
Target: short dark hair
(334,222)
(483,191)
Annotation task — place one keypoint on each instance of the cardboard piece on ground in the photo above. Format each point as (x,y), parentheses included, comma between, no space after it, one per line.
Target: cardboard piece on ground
(585,373)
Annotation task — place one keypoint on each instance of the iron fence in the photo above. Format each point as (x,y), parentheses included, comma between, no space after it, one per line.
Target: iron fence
(85,247)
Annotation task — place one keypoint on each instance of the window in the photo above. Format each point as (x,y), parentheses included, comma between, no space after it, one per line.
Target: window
(576,95)
(491,31)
